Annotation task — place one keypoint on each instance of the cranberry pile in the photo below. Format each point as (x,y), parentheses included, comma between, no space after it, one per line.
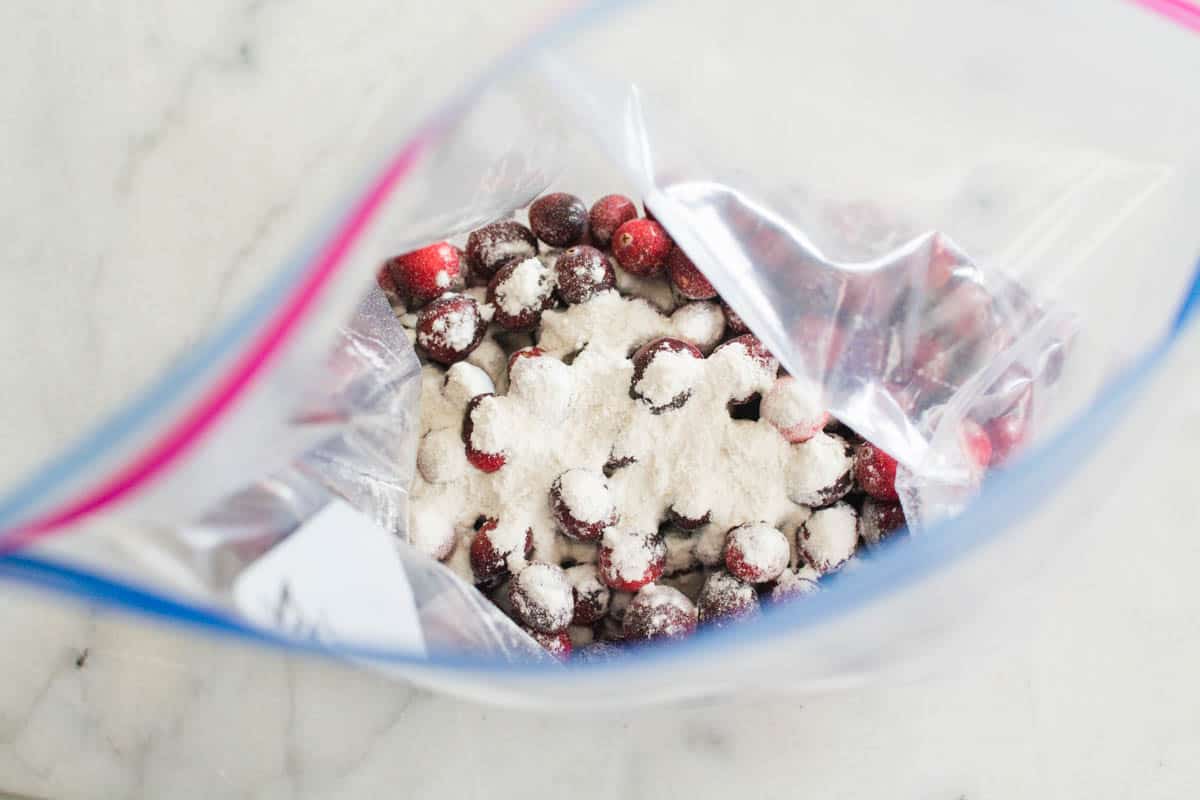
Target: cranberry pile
(647,586)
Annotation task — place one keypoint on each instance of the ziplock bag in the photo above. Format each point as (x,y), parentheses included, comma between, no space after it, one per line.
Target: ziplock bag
(942,215)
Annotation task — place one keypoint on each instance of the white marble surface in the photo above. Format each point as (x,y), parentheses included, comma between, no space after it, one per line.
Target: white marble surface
(127,210)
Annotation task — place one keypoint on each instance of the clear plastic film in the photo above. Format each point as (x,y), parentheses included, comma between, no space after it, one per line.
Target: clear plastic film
(947,253)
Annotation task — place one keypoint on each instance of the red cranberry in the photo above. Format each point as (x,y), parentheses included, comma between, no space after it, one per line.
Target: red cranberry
(659,612)
(748,383)
(976,443)
(556,644)
(520,291)
(426,273)
(795,409)
(734,320)
(641,246)
(481,458)
(829,537)
(559,219)
(875,472)
(583,272)
(943,260)
(792,586)
(591,595)
(385,280)
(493,246)
(582,505)
(688,280)
(820,470)
(879,519)
(664,384)
(689,523)
(725,599)
(1006,434)
(542,598)
(756,553)
(629,560)
(494,546)
(449,328)
(609,213)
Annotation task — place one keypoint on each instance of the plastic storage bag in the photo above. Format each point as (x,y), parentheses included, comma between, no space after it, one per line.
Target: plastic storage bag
(827,198)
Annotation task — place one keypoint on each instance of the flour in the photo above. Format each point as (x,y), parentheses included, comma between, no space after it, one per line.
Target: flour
(700,323)
(795,407)
(552,419)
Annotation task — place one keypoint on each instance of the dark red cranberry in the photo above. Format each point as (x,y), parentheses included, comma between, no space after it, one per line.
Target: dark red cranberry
(875,472)
(725,599)
(493,246)
(559,219)
(449,328)
(661,395)
(879,519)
(556,644)
(542,598)
(582,273)
(492,548)
(641,246)
(483,460)
(582,505)
(591,595)
(733,320)
(427,273)
(385,280)
(520,291)
(764,371)
(688,280)
(688,523)
(659,612)
(609,213)
(629,560)
(756,553)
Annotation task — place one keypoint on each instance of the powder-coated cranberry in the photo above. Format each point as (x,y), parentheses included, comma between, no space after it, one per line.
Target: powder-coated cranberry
(609,213)
(559,219)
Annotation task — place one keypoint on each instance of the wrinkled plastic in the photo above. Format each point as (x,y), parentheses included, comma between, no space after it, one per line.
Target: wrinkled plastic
(935,249)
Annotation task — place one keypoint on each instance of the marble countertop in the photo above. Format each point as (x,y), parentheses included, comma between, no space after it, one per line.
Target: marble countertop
(1096,698)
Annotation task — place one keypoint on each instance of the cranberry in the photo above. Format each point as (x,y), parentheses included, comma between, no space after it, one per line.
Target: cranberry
(481,458)
(701,323)
(385,281)
(631,559)
(829,537)
(494,546)
(542,598)
(556,644)
(756,367)
(463,381)
(582,273)
(1006,434)
(591,595)
(795,409)
(820,471)
(879,519)
(426,273)
(688,280)
(440,456)
(641,246)
(609,213)
(725,599)
(659,612)
(559,219)
(520,291)
(943,260)
(581,505)
(663,373)
(734,320)
(449,328)
(875,472)
(493,246)
(792,586)
(690,521)
(756,552)
(433,534)
(976,443)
